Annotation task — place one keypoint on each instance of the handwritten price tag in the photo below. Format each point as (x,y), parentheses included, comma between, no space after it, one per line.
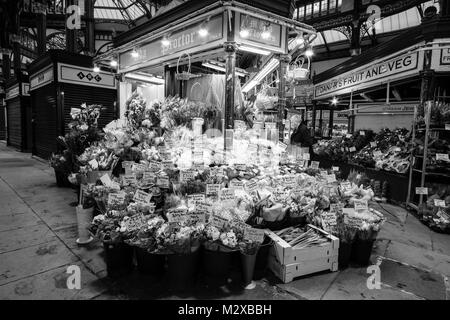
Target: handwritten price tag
(315,164)
(251,186)
(254,235)
(354,222)
(106,180)
(361,205)
(194,198)
(335,168)
(329,218)
(420,190)
(442,157)
(187,175)
(336,207)
(352,149)
(282,146)
(331,178)
(129,179)
(116,198)
(196,217)
(227,195)
(219,222)
(142,197)
(203,207)
(177,215)
(346,185)
(212,189)
(216,171)
(439,203)
(163,182)
(373,144)
(362,133)
(237,185)
(135,222)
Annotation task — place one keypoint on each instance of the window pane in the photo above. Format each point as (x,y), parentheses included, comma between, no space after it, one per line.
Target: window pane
(316,7)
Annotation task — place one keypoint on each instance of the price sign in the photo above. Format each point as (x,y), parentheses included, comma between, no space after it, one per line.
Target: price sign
(306,156)
(135,222)
(139,167)
(194,198)
(353,221)
(373,144)
(362,133)
(237,185)
(164,155)
(75,111)
(142,197)
(290,181)
(282,146)
(352,149)
(439,203)
(216,171)
(163,182)
(187,175)
(129,179)
(106,180)
(315,164)
(196,217)
(212,189)
(348,135)
(177,215)
(331,178)
(198,166)
(219,222)
(240,225)
(302,163)
(116,198)
(148,177)
(323,173)
(442,157)
(335,168)
(251,186)
(254,235)
(336,207)
(279,195)
(167,164)
(204,207)
(329,218)
(420,190)
(361,205)
(227,195)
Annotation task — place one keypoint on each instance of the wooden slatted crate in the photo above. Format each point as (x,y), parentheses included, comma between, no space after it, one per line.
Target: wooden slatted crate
(288,262)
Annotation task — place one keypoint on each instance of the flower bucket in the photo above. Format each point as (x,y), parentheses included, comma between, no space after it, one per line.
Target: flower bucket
(248,268)
(119,259)
(216,264)
(61,179)
(345,250)
(84,219)
(262,257)
(150,263)
(361,252)
(182,269)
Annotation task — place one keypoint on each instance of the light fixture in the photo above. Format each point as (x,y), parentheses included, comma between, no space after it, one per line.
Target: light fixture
(165,41)
(299,40)
(113,63)
(96,69)
(334,101)
(309,52)
(268,68)
(145,78)
(135,53)
(254,50)
(221,67)
(244,33)
(203,31)
(266,32)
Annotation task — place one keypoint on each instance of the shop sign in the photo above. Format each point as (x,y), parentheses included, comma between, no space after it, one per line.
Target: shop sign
(41,79)
(25,89)
(85,76)
(388,70)
(12,92)
(373,108)
(178,42)
(445,56)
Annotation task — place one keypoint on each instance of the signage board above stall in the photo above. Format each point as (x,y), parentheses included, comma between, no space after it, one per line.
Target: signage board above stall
(440,60)
(41,78)
(12,92)
(180,41)
(367,76)
(260,33)
(85,76)
(392,108)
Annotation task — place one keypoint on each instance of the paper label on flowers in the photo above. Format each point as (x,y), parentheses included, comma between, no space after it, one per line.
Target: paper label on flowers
(348,135)
(237,185)
(196,217)
(251,186)
(352,149)
(203,207)
(135,222)
(442,157)
(329,218)
(187,175)
(439,203)
(177,215)
(219,222)
(142,197)
(420,190)
(116,198)
(163,182)
(129,179)
(227,195)
(335,168)
(331,178)
(315,164)
(254,235)
(194,198)
(361,205)
(212,189)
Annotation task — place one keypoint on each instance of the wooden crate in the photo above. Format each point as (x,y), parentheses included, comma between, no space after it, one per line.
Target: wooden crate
(288,263)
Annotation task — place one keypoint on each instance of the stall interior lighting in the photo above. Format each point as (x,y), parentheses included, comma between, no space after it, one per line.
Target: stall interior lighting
(309,52)
(203,31)
(268,68)
(144,78)
(255,50)
(266,33)
(165,41)
(96,69)
(221,67)
(244,33)
(334,101)
(135,53)
(113,63)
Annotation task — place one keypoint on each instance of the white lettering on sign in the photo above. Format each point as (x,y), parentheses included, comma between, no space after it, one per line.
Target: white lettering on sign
(361,205)
(344,83)
(254,235)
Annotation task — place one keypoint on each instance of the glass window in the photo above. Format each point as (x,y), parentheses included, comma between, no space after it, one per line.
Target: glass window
(332,5)
(308,10)
(323,8)
(316,8)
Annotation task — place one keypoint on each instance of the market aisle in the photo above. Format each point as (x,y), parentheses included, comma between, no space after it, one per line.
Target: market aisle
(37,243)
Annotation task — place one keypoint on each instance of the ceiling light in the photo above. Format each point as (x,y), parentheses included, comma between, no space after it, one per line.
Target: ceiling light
(145,78)
(254,50)
(221,67)
(309,52)
(113,63)
(165,41)
(203,31)
(334,101)
(266,33)
(96,69)
(244,33)
(135,53)
(299,40)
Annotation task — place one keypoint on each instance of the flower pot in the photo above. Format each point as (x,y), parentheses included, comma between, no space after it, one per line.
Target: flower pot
(182,270)
(150,263)
(248,267)
(361,251)
(119,259)
(61,179)
(84,219)
(345,250)
(216,264)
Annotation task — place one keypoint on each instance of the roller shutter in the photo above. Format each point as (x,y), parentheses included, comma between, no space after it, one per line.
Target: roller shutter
(75,95)
(14,119)
(2,123)
(45,121)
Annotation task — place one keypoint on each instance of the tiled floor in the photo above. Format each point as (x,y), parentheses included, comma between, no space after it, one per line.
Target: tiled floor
(37,244)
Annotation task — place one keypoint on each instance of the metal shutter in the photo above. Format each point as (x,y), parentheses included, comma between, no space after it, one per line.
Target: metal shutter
(14,119)
(45,121)
(75,95)
(2,123)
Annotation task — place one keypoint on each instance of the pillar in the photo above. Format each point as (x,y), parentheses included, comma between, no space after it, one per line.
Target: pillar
(230,83)
(284,62)
(41,25)
(313,124)
(6,63)
(90,27)
(70,33)
(330,123)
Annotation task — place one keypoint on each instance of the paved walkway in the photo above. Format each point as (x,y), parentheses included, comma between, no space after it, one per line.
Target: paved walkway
(37,244)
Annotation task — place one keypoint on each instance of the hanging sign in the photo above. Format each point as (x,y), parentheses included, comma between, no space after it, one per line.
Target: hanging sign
(376,108)
(365,76)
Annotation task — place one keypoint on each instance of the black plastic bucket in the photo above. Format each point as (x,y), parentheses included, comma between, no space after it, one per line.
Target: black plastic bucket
(345,251)
(182,270)
(216,265)
(150,263)
(248,267)
(119,259)
(361,252)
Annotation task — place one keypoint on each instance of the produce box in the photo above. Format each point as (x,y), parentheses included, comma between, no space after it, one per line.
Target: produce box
(288,262)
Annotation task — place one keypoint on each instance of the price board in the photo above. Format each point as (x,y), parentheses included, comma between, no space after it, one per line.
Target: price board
(142,197)
(361,205)
(135,222)
(254,235)
(177,215)
(212,189)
